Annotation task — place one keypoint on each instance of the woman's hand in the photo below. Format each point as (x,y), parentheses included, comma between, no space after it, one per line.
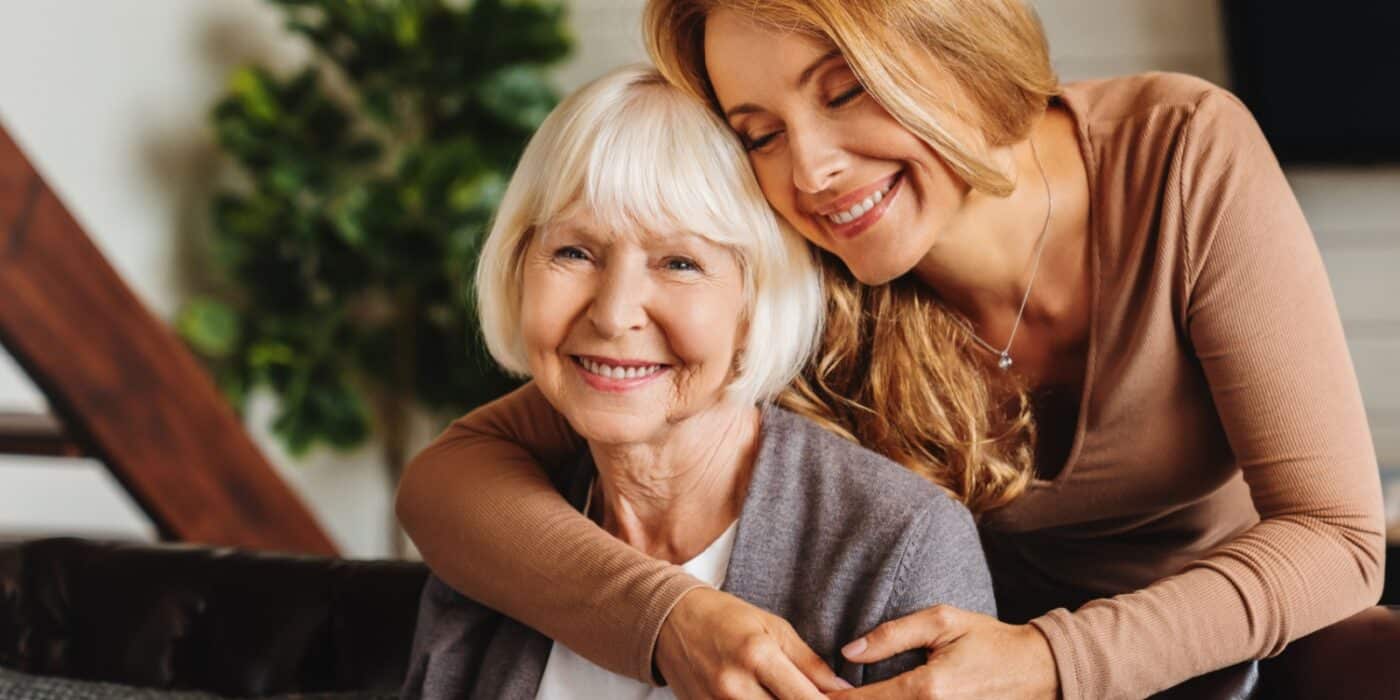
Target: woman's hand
(714,645)
(970,655)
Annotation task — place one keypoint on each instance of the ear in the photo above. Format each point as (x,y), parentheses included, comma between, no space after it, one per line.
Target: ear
(741,343)
(737,366)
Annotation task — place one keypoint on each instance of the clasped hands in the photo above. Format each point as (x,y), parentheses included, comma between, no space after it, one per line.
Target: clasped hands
(714,645)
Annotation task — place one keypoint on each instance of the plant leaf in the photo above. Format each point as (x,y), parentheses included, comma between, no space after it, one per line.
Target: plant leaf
(210,326)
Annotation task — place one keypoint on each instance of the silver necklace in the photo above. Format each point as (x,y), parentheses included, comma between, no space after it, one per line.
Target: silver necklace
(1004,355)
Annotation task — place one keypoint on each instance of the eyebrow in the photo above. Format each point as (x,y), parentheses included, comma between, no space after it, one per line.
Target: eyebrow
(549,232)
(646,238)
(802,79)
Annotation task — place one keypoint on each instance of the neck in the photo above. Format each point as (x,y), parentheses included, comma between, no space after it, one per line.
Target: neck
(982,262)
(672,498)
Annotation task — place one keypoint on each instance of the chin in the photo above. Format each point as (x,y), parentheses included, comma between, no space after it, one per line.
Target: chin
(881,261)
(874,278)
(875,272)
(612,428)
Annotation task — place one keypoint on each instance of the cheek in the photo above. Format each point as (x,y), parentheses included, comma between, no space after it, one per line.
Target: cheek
(775,180)
(702,331)
(770,182)
(776,184)
(546,314)
(945,186)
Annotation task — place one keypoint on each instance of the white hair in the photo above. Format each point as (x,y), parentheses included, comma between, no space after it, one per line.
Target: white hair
(640,155)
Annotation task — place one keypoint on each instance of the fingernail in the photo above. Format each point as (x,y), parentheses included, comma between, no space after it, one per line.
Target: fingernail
(843,684)
(854,648)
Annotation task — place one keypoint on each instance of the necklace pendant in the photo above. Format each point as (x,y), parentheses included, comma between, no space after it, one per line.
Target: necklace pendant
(1004,362)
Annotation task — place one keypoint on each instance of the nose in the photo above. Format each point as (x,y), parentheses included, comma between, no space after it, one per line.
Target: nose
(817,159)
(619,302)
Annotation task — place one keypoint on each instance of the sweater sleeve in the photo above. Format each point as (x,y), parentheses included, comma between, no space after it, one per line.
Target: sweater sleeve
(1261,320)
(941,563)
(489,523)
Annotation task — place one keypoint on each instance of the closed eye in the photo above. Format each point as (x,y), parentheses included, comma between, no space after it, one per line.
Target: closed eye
(846,96)
(757,144)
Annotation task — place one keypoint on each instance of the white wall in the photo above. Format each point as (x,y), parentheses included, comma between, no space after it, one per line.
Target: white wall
(608,34)
(109,99)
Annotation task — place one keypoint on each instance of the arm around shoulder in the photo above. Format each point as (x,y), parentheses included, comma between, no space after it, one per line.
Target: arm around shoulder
(488,521)
(455,491)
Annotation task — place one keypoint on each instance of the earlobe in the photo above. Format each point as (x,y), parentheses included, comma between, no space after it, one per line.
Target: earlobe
(741,338)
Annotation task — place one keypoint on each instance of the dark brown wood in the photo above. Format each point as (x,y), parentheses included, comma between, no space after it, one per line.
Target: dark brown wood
(126,388)
(35,434)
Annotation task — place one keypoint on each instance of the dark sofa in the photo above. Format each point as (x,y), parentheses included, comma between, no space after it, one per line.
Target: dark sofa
(175,621)
(229,622)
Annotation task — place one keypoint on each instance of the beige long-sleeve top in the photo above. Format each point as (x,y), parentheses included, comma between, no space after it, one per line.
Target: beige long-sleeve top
(1222,496)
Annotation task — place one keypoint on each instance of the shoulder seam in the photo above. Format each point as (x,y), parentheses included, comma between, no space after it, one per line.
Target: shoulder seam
(1188,261)
(1192,268)
(902,569)
(1186,102)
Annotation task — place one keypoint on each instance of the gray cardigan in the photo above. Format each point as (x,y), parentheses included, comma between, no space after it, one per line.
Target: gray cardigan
(832,537)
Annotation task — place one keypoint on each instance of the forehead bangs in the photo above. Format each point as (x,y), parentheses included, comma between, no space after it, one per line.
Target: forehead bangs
(651,160)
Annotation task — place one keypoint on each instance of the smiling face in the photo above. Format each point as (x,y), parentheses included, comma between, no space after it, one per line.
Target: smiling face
(829,158)
(629,333)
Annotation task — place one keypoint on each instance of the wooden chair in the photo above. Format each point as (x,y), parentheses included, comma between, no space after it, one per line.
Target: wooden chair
(123,388)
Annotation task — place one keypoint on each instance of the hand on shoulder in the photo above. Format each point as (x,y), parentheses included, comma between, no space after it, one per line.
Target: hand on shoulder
(714,645)
(970,655)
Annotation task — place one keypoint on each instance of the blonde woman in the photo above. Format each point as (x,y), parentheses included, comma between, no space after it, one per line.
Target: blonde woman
(1094,312)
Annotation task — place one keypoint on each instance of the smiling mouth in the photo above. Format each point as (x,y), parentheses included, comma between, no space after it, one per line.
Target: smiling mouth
(859,217)
(617,370)
(864,206)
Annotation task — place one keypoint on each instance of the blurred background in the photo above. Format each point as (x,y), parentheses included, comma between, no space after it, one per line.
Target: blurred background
(114,103)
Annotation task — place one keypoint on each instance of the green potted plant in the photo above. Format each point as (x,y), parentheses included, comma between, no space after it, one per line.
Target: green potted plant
(343,251)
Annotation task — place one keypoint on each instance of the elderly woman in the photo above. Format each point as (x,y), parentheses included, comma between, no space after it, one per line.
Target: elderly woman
(635,272)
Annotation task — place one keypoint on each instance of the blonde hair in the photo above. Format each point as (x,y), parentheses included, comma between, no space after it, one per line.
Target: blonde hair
(896,370)
(642,157)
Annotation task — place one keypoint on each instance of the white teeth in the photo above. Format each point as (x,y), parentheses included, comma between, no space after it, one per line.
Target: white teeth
(859,210)
(611,372)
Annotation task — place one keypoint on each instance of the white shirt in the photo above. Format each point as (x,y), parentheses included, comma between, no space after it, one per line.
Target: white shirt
(568,676)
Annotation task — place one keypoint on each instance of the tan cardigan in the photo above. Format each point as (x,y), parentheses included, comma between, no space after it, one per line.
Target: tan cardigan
(1222,497)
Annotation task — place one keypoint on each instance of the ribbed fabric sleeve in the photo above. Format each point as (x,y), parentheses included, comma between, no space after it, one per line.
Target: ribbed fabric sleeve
(1263,325)
(507,539)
